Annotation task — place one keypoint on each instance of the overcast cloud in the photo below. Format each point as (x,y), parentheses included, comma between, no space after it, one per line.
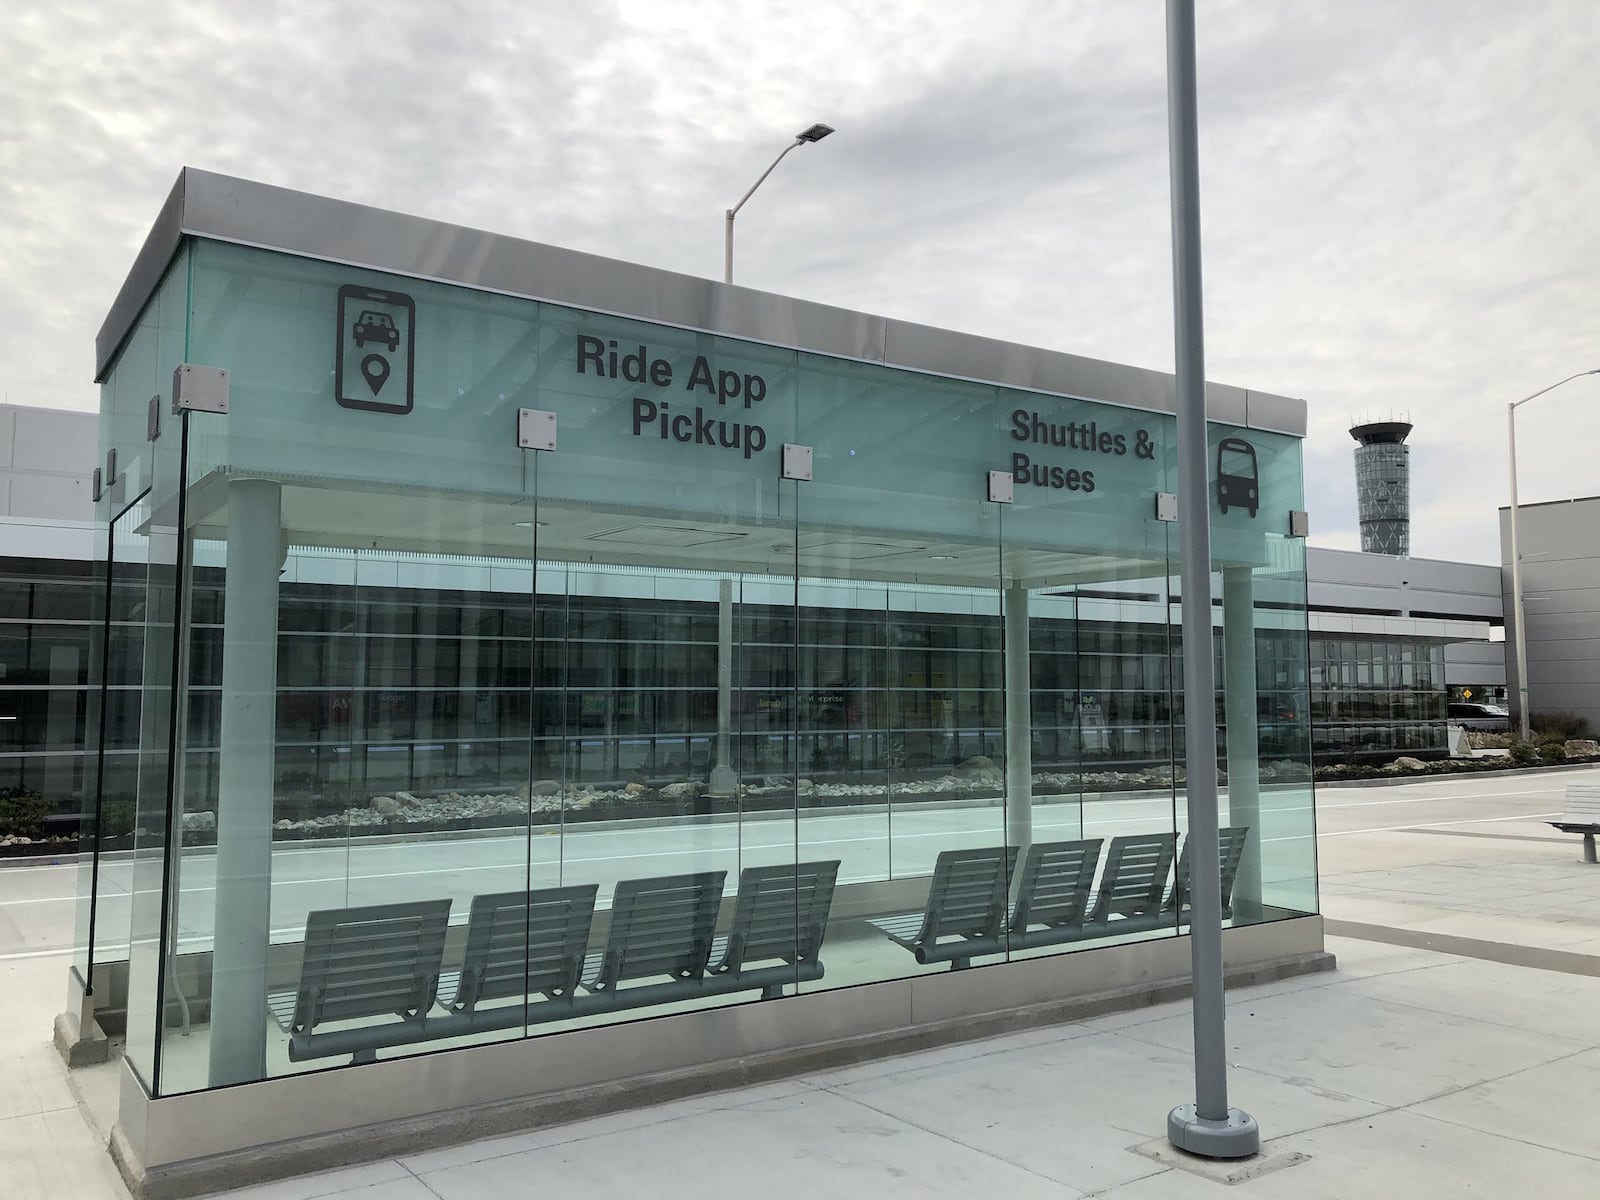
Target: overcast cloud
(1399,197)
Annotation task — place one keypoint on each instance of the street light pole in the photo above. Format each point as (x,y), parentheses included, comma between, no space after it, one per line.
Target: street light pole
(1516,560)
(814,133)
(1207,1127)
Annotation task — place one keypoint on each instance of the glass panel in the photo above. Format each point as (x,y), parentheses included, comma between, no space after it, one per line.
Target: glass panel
(144,369)
(666,665)
(1087,562)
(901,684)
(112,805)
(1263,700)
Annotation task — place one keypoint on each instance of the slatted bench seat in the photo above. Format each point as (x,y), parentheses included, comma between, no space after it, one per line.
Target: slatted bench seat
(1230,853)
(521,944)
(1133,884)
(1053,893)
(780,919)
(966,910)
(1582,815)
(660,927)
(382,960)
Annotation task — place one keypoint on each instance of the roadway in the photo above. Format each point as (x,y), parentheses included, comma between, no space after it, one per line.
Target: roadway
(38,900)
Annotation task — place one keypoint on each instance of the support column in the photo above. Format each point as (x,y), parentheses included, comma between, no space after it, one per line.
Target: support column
(244,800)
(724,779)
(1244,747)
(1019,723)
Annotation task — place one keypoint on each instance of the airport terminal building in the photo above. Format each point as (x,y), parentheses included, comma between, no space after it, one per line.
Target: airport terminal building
(512,673)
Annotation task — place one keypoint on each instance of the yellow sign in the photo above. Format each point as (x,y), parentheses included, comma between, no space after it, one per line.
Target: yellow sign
(1466,693)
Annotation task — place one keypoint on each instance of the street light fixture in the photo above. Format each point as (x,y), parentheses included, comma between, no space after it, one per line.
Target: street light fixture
(812,133)
(1516,561)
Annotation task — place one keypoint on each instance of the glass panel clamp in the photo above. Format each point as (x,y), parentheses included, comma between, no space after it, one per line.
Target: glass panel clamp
(199,389)
(536,429)
(1166,506)
(1299,523)
(797,462)
(1002,487)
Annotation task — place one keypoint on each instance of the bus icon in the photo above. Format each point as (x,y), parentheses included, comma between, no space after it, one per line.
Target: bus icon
(1238,485)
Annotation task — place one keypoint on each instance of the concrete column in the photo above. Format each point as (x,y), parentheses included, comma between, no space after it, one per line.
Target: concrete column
(724,779)
(244,800)
(1019,723)
(1244,751)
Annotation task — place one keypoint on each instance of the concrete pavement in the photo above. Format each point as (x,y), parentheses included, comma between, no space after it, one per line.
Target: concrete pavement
(1454,1051)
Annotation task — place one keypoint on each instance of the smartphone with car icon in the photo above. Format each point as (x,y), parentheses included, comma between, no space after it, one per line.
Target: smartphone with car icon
(376,347)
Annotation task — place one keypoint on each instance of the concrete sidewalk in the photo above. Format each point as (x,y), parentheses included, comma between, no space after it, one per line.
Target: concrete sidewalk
(1455,1051)
(1407,1073)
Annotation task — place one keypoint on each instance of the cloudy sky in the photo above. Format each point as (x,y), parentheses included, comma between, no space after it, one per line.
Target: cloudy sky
(1400,197)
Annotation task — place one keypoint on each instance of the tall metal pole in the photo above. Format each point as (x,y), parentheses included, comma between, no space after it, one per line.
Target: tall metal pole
(1516,586)
(1207,1127)
(1516,559)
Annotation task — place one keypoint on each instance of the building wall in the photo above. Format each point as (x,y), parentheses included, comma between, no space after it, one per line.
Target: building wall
(1560,547)
(47,457)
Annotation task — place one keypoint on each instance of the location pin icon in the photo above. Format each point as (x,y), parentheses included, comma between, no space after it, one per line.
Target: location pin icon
(375,368)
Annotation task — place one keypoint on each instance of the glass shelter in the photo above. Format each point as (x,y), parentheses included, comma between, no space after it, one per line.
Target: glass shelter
(568,671)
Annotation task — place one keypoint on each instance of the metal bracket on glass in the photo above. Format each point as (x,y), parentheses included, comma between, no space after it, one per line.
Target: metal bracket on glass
(152,419)
(536,429)
(111,466)
(199,389)
(797,462)
(96,489)
(1299,523)
(1166,506)
(1002,487)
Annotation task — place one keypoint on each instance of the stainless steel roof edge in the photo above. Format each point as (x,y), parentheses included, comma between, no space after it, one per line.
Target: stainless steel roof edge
(149,265)
(224,208)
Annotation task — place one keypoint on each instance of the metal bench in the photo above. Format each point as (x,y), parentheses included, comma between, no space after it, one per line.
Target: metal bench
(1582,816)
(382,960)
(1230,852)
(966,910)
(967,898)
(780,918)
(526,944)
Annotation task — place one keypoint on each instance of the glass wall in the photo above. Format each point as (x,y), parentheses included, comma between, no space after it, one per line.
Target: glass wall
(1378,696)
(473,742)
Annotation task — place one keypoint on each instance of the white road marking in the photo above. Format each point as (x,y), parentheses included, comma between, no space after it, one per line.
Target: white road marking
(1444,824)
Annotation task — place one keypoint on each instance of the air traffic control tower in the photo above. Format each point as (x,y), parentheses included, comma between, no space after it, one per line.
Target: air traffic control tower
(1383,486)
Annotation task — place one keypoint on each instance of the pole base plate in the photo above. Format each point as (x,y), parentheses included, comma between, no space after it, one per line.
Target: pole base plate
(724,782)
(1236,1137)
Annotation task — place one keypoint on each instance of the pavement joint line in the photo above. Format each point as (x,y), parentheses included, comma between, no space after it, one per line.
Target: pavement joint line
(421,1182)
(947,1137)
(1564,962)
(1437,824)
(1500,1133)
(1477,833)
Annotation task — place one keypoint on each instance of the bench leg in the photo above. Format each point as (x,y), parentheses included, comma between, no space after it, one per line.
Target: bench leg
(960,964)
(364,1056)
(772,991)
(1588,848)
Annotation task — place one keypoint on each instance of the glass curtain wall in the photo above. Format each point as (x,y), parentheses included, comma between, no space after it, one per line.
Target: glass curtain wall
(477,742)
